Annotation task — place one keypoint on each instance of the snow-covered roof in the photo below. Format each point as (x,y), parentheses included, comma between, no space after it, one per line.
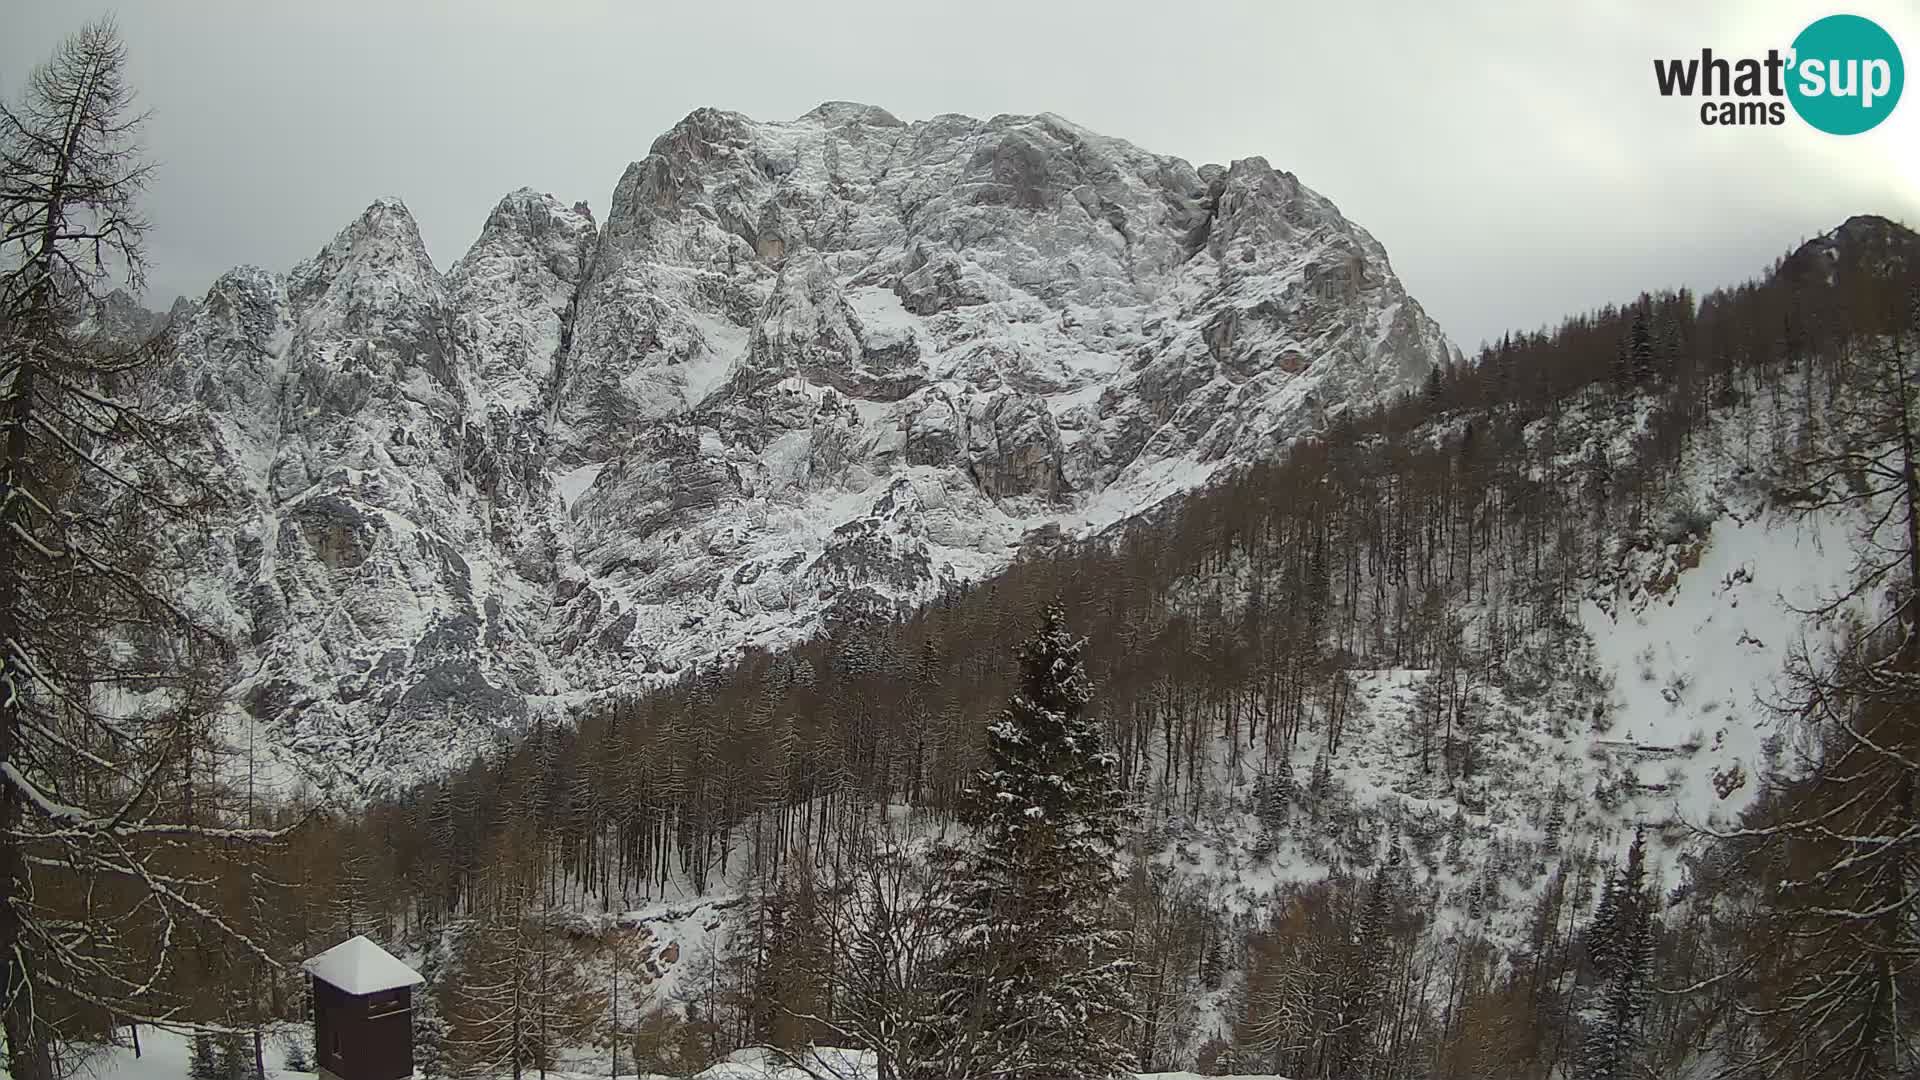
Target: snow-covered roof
(359,966)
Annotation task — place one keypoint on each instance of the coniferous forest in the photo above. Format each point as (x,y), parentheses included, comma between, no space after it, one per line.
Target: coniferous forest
(1132,805)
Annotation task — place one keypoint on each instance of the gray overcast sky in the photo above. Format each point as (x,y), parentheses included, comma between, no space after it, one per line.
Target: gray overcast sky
(1514,158)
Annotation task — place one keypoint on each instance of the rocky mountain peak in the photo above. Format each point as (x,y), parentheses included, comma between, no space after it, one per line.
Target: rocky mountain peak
(839,113)
(1875,242)
(380,250)
(826,365)
(511,297)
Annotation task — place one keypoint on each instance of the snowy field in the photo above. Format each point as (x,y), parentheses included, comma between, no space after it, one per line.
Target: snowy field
(164,1057)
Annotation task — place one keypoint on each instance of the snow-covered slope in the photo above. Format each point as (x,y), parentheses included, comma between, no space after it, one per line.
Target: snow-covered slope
(834,363)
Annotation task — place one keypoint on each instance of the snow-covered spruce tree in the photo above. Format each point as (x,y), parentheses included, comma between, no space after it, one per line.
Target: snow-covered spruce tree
(1035,984)
(1640,353)
(1273,795)
(103,679)
(1369,962)
(232,1059)
(203,1061)
(1614,1036)
(1603,933)
(293,1054)
(429,1016)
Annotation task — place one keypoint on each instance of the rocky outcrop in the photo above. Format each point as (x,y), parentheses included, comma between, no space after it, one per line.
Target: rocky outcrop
(1013,446)
(511,299)
(837,363)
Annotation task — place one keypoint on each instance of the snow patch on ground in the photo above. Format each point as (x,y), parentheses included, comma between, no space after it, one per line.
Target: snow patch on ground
(1695,655)
(574,482)
(726,345)
(164,1055)
(884,321)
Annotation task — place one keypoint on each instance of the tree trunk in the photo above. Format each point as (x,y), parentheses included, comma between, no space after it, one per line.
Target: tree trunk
(27,1057)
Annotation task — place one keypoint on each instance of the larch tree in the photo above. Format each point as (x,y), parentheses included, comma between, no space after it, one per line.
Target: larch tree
(1035,985)
(1838,845)
(517,993)
(100,667)
(889,938)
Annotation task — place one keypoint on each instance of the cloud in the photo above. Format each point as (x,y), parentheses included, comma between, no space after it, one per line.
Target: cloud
(1515,159)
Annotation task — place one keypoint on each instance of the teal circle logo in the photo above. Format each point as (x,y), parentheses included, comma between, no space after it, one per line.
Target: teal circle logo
(1846,75)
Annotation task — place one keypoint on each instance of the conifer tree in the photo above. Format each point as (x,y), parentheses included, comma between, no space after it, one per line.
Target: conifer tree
(1273,795)
(1035,987)
(1371,950)
(429,1018)
(232,1059)
(1614,1039)
(1603,931)
(203,1062)
(1556,817)
(1321,783)
(1640,347)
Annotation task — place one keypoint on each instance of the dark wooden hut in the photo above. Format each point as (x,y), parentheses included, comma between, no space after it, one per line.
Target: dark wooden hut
(362,1012)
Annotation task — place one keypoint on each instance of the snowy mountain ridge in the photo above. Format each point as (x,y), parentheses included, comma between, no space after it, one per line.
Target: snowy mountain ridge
(833,364)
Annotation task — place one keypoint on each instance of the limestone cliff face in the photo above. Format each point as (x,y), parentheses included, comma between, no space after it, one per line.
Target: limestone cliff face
(842,361)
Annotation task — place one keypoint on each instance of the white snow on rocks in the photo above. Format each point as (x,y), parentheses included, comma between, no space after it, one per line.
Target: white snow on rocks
(590,454)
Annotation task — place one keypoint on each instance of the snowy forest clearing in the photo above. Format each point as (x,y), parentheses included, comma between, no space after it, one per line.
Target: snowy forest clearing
(164,1056)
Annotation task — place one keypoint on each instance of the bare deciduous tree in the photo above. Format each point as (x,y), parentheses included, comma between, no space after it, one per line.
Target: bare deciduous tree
(103,880)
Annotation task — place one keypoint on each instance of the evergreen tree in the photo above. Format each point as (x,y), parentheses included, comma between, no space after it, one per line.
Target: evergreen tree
(1315,592)
(232,1058)
(1557,818)
(1322,780)
(1603,931)
(202,1059)
(1613,917)
(429,1017)
(1640,347)
(1614,1038)
(1272,795)
(1034,986)
(295,1058)
(1371,951)
(1456,838)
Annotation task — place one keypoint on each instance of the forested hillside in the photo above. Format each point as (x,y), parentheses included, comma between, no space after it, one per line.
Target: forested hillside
(1362,701)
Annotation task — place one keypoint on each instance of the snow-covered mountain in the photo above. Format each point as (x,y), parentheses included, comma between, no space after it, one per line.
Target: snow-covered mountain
(835,363)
